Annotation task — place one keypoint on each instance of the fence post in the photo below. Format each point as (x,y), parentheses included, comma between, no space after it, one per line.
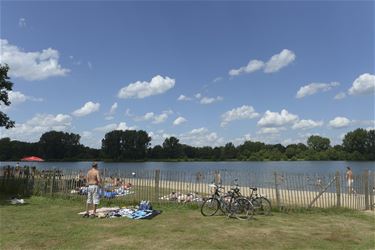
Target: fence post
(53,182)
(277,191)
(372,189)
(366,186)
(338,191)
(157,180)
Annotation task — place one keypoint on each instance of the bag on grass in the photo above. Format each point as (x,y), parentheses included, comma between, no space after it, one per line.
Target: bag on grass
(145,205)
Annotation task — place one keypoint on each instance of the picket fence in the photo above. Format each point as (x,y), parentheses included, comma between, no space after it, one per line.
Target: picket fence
(285,190)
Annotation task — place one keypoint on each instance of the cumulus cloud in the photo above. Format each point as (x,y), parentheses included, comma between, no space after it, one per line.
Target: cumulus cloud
(271,130)
(112,111)
(340,96)
(155,118)
(275,119)
(156,86)
(87,109)
(240,113)
(183,98)
(201,137)
(314,88)
(210,100)
(179,120)
(274,64)
(251,67)
(16,98)
(364,84)
(31,66)
(339,122)
(114,126)
(32,129)
(307,124)
(279,61)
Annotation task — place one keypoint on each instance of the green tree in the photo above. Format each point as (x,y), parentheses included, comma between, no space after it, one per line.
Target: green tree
(59,145)
(126,145)
(5,149)
(370,144)
(5,87)
(355,141)
(172,148)
(318,143)
(230,151)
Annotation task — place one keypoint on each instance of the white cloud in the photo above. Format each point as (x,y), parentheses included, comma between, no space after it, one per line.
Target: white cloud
(155,118)
(251,67)
(112,111)
(307,124)
(364,84)
(22,22)
(274,119)
(274,64)
(156,86)
(31,66)
(279,61)
(210,100)
(240,113)
(114,126)
(271,130)
(198,95)
(201,137)
(340,96)
(87,109)
(16,97)
(89,64)
(183,98)
(179,120)
(32,129)
(339,122)
(313,88)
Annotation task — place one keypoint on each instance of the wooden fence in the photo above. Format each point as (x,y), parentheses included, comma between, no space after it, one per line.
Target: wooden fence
(285,190)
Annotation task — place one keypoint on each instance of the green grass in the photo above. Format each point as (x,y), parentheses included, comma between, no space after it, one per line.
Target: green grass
(46,223)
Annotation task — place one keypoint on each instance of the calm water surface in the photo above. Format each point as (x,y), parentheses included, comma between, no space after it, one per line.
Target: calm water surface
(302,167)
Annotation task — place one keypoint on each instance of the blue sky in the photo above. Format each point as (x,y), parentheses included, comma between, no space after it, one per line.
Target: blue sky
(205,72)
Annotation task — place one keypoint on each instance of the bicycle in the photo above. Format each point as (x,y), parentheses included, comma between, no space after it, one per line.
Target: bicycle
(230,204)
(260,203)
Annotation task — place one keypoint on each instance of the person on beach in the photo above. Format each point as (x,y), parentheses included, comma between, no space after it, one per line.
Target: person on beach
(93,181)
(349,180)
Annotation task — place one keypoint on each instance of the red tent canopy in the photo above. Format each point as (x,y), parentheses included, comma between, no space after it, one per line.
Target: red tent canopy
(31,158)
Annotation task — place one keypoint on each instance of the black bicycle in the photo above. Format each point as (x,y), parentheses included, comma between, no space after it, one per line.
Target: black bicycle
(261,204)
(230,204)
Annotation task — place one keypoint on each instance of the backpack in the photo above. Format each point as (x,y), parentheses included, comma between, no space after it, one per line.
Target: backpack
(145,205)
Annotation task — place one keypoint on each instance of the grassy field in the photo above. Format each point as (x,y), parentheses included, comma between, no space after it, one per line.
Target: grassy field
(46,223)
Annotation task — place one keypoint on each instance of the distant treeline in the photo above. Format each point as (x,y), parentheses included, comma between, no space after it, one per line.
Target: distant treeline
(134,145)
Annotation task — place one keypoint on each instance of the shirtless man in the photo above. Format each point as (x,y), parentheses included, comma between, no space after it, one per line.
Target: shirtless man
(93,181)
(349,179)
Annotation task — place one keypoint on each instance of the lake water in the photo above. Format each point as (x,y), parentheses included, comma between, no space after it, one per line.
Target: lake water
(301,167)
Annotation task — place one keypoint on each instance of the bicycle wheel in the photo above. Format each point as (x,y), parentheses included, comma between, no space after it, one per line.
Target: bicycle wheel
(262,205)
(242,209)
(210,207)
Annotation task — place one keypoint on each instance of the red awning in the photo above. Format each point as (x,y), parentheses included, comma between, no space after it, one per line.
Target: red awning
(31,158)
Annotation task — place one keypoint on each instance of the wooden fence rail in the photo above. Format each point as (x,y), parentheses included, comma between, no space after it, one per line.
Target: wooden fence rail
(285,190)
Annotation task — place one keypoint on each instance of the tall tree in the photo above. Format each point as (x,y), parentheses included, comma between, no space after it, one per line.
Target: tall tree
(318,143)
(59,145)
(361,141)
(126,145)
(172,148)
(5,87)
